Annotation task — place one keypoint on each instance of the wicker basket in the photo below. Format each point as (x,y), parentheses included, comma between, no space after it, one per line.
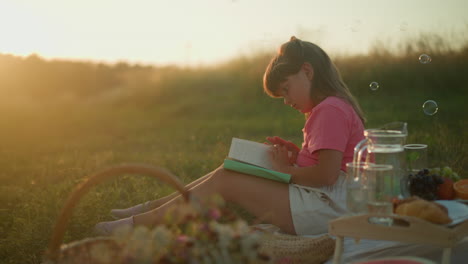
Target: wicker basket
(84,251)
(291,249)
(279,247)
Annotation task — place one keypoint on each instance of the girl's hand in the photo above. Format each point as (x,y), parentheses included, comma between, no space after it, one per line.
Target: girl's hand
(279,158)
(289,146)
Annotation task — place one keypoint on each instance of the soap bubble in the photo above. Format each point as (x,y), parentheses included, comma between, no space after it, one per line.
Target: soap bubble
(374,86)
(355,25)
(425,59)
(403,26)
(430,107)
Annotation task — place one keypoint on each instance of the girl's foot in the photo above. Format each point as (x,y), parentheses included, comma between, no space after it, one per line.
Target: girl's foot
(131,211)
(107,228)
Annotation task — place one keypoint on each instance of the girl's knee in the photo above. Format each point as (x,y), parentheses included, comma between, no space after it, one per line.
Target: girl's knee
(220,168)
(218,174)
(221,179)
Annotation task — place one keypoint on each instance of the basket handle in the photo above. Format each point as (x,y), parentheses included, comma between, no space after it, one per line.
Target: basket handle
(61,224)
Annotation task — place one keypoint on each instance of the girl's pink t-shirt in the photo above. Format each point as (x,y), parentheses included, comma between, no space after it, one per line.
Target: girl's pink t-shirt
(332,124)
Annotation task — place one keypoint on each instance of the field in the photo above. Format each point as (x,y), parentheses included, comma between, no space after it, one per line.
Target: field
(61,121)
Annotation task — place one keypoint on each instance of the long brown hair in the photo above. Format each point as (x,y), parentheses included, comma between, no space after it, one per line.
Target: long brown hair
(289,60)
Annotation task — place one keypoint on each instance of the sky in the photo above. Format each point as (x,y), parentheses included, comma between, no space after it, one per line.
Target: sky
(198,32)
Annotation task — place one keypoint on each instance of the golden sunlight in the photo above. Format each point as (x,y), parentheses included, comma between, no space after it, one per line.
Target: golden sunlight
(22,30)
(191,32)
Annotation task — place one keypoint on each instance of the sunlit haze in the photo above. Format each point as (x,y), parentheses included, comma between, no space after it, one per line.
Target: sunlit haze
(194,32)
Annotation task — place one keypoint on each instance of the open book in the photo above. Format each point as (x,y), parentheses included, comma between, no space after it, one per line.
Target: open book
(252,158)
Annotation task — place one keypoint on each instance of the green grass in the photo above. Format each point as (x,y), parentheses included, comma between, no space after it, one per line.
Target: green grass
(184,122)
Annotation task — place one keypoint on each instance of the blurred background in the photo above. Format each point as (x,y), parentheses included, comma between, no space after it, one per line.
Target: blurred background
(201,32)
(89,84)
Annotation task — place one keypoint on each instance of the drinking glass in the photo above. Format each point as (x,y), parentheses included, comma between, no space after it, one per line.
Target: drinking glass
(381,191)
(356,188)
(416,157)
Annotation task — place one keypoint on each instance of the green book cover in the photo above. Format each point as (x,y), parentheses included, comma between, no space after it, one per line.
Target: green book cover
(257,171)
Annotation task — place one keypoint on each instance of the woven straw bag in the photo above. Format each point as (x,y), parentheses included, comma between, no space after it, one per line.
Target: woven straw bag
(285,248)
(281,248)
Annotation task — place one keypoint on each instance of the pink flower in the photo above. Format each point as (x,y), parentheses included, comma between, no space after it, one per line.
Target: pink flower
(182,239)
(214,213)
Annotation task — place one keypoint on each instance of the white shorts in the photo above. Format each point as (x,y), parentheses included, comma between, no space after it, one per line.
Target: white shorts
(312,208)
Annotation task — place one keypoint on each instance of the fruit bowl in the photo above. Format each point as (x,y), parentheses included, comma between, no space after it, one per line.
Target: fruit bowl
(433,184)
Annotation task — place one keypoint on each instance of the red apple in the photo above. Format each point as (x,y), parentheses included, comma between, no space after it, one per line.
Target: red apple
(445,190)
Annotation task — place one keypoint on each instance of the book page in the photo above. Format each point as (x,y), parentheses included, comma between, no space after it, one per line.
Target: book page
(250,152)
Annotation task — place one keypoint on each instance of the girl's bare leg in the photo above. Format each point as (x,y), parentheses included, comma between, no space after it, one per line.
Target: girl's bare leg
(263,198)
(150,205)
(158,202)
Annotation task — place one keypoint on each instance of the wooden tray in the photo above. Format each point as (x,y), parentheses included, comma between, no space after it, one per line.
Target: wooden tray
(406,229)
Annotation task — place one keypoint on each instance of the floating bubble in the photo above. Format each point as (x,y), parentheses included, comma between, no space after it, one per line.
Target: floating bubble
(425,59)
(403,26)
(374,86)
(355,25)
(430,107)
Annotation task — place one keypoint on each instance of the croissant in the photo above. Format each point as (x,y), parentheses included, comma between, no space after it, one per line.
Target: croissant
(429,211)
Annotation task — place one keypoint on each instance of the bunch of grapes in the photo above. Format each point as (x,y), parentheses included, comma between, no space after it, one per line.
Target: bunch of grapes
(424,184)
(446,172)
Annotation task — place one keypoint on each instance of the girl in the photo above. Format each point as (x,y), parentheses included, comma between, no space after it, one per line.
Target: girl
(302,74)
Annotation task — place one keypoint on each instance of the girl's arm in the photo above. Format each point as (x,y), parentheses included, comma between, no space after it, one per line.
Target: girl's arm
(323,174)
